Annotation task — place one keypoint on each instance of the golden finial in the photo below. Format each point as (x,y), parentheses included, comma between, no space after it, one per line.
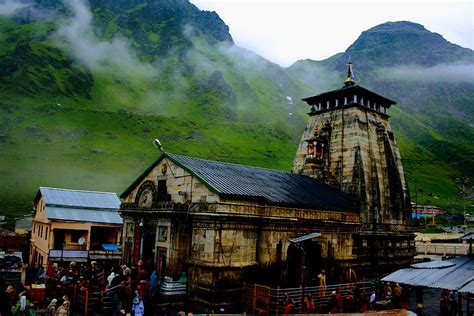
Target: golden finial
(350,76)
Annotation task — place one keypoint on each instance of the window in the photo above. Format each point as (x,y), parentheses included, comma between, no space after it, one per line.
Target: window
(46,234)
(75,235)
(163,191)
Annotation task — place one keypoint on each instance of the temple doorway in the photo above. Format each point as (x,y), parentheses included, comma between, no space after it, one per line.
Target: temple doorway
(148,239)
(309,252)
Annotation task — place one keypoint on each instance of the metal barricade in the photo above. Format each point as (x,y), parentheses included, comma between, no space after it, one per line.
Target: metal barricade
(266,300)
(261,298)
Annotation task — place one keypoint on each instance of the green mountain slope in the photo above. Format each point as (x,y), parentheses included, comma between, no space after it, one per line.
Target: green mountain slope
(433,121)
(85,89)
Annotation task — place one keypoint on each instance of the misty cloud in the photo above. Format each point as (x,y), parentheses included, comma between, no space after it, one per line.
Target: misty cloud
(458,72)
(95,53)
(8,7)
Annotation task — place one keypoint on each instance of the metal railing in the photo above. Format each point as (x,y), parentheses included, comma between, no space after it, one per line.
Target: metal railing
(9,278)
(263,299)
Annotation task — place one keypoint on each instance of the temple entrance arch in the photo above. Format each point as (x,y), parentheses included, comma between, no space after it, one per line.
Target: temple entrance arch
(294,263)
(148,245)
(304,255)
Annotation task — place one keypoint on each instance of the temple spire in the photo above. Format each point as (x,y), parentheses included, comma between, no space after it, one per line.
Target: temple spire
(350,76)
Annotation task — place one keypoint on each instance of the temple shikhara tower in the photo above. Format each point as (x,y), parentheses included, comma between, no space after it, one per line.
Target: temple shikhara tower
(349,144)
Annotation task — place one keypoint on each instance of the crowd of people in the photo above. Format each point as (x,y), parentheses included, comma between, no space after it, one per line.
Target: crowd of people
(67,286)
(131,289)
(353,299)
(448,303)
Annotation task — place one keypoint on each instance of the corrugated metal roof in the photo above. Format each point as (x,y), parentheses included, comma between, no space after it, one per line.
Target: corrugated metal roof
(451,277)
(468,288)
(305,237)
(434,264)
(83,215)
(274,186)
(467,236)
(78,198)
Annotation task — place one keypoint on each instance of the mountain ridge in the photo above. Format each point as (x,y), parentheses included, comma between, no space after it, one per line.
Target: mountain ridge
(434,110)
(90,114)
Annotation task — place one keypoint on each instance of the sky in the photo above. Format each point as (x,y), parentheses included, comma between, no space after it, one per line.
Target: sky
(284,31)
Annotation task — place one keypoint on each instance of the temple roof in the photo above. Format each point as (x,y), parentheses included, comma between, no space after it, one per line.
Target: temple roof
(348,91)
(265,185)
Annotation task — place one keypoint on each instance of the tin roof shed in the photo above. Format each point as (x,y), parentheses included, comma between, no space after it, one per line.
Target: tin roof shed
(455,274)
(78,198)
(80,206)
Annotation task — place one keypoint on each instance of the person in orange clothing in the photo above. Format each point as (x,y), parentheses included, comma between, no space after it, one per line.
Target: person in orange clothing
(322,284)
(309,304)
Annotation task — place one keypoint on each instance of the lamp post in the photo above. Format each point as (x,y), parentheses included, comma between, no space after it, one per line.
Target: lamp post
(416,202)
(141,238)
(420,190)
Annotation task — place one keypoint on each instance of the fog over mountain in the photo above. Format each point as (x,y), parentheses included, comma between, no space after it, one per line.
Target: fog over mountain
(86,87)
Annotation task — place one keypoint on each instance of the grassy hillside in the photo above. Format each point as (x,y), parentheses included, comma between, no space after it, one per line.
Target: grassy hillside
(82,96)
(85,90)
(62,146)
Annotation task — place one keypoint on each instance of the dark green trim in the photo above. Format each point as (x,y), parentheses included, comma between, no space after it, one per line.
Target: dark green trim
(140,177)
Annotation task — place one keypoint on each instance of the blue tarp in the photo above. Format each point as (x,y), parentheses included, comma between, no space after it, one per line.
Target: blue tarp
(110,247)
(450,216)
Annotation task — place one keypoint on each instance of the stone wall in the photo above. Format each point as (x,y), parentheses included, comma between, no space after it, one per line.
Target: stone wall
(362,159)
(181,185)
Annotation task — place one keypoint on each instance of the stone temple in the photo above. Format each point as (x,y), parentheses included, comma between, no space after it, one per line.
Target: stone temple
(344,207)
(349,144)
